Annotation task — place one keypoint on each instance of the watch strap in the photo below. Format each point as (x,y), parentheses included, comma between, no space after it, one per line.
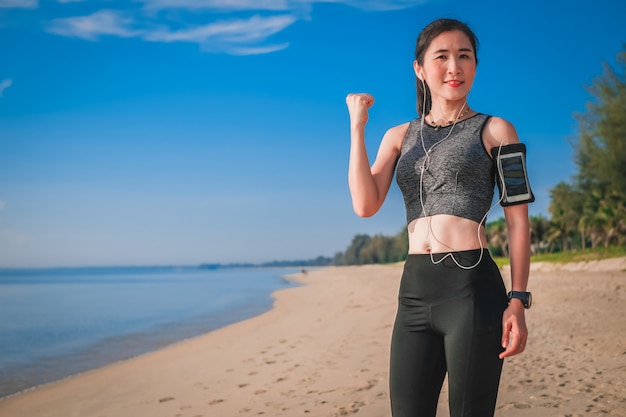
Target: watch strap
(524,296)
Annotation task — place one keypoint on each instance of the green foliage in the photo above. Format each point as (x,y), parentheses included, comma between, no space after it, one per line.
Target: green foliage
(378,249)
(497,238)
(539,230)
(581,255)
(501,261)
(592,210)
(566,207)
(319,261)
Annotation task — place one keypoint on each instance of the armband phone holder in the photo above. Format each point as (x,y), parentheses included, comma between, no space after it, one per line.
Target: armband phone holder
(511,174)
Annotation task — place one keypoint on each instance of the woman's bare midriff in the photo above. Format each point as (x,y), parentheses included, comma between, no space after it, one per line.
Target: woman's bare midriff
(444,233)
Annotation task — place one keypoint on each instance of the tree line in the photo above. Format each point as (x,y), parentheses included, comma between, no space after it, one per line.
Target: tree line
(588,211)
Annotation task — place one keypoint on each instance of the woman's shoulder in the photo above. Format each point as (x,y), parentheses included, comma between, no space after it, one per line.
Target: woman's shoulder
(399,129)
(395,135)
(391,143)
(499,131)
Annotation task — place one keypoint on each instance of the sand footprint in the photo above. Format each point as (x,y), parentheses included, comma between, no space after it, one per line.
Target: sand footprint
(368,386)
(351,409)
(517,405)
(165,399)
(216,401)
(201,385)
(288,393)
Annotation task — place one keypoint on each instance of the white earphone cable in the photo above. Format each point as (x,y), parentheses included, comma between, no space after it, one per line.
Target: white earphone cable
(425,166)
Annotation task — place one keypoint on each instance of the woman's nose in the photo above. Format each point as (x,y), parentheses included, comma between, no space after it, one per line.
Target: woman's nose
(454,66)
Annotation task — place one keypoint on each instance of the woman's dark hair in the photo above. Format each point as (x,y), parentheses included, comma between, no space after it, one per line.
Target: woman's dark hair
(424,39)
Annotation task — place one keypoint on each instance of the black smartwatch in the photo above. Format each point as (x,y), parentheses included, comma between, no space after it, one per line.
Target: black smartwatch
(525,297)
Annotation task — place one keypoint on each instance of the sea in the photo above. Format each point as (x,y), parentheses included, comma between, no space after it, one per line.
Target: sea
(59,322)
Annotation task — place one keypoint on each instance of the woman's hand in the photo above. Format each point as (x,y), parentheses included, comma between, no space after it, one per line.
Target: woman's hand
(358,106)
(514,331)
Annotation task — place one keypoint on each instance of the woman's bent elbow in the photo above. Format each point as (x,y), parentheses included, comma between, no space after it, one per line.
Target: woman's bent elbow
(363,210)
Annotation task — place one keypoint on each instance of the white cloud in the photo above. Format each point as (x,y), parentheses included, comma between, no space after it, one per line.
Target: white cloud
(276,5)
(104,22)
(223,5)
(248,50)
(22,4)
(4,84)
(236,36)
(373,5)
(239,34)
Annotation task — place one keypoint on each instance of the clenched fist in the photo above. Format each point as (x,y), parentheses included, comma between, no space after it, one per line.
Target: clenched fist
(358,105)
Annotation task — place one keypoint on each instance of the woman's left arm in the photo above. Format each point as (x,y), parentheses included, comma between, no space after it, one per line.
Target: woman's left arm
(514,331)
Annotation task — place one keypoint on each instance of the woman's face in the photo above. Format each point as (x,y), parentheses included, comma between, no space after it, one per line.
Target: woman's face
(449,66)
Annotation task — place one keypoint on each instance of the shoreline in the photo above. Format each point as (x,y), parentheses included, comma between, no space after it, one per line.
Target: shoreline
(204,302)
(161,344)
(322,350)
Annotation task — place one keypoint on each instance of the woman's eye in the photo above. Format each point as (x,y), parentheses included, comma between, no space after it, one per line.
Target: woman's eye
(441,57)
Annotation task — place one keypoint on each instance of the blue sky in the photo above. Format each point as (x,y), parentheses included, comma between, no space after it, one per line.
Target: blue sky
(187,131)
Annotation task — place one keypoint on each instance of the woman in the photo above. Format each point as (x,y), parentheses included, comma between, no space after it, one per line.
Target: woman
(453,315)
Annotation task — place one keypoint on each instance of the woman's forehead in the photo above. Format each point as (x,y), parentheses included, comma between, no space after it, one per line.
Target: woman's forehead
(452,40)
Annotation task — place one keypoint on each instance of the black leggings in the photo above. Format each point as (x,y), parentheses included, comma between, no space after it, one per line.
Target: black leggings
(449,320)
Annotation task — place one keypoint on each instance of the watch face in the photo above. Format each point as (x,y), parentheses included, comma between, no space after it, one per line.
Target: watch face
(529,299)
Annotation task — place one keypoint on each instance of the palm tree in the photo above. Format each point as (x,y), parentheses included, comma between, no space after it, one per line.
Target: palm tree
(497,236)
(538,232)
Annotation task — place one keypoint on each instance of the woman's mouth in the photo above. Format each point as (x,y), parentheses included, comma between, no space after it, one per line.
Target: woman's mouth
(454,83)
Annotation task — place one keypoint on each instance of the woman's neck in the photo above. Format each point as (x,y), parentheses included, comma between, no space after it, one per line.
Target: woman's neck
(442,115)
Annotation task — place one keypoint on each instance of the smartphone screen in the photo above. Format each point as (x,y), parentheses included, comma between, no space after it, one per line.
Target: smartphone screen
(514,177)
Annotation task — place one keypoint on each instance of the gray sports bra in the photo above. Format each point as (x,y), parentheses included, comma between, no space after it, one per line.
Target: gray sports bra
(458,177)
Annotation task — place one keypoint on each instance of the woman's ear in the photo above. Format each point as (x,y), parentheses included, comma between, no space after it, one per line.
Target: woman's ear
(419,71)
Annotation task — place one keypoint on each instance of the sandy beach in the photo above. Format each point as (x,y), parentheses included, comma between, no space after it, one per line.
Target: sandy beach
(323,350)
